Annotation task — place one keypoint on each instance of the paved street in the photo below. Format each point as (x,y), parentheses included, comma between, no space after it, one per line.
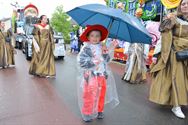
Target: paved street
(28,100)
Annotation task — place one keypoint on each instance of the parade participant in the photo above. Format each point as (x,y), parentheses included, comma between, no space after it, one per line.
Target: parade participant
(80,43)
(170,73)
(96,84)
(42,63)
(74,42)
(7,50)
(10,41)
(135,70)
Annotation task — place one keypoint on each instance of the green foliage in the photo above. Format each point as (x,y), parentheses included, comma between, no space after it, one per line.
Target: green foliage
(13,22)
(60,23)
(75,28)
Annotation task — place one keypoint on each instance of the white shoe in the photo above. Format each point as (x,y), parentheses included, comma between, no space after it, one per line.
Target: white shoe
(11,66)
(177,111)
(47,76)
(50,76)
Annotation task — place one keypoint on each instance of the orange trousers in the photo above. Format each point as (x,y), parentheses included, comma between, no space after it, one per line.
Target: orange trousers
(94,95)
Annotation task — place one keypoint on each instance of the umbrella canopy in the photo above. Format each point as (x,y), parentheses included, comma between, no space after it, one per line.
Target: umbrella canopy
(120,25)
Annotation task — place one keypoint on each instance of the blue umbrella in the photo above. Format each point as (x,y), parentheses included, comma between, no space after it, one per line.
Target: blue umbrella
(120,25)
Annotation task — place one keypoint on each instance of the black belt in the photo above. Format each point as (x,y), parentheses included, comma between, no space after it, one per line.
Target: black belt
(97,74)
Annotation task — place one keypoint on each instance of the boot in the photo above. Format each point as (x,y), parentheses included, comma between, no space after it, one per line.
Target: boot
(100,115)
(87,118)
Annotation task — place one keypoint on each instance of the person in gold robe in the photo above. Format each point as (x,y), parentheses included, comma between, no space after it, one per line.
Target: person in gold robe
(170,76)
(10,49)
(42,63)
(6,47)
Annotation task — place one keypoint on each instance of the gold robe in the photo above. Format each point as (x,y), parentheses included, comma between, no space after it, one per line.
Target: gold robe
(10,49)
(43,63)
(7,50)
(169,76)
(3,51)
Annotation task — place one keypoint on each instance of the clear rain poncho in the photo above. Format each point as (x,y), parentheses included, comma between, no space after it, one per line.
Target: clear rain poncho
(96,84)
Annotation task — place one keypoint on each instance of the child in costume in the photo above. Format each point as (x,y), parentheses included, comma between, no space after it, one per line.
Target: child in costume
(94,87)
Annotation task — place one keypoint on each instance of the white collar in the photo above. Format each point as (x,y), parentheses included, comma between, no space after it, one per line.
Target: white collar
(182,22)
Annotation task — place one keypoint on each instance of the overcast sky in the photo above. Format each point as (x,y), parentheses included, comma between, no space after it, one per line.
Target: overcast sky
(45,6)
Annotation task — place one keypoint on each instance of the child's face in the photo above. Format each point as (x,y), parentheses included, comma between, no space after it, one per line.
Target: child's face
(94,37)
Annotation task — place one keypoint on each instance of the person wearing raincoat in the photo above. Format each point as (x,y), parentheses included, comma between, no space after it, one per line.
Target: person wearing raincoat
(96,85)
(43,63)
(6,47)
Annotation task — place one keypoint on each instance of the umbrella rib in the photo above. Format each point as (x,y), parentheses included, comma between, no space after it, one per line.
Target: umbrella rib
(117,29)
(129,33)
(110,24)
(88,18)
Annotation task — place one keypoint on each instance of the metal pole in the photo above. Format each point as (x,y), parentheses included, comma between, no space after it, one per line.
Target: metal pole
(162,11)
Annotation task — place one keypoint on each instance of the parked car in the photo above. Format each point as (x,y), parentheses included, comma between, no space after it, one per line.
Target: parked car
(27,47)
(27,42)
(59,51)
(19,39)
(20,35)
(60,47)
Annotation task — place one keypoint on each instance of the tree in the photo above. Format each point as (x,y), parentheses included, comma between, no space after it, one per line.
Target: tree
(75,28)
(60,23)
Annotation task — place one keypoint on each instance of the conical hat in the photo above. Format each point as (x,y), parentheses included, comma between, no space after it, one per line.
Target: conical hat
(169,4)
